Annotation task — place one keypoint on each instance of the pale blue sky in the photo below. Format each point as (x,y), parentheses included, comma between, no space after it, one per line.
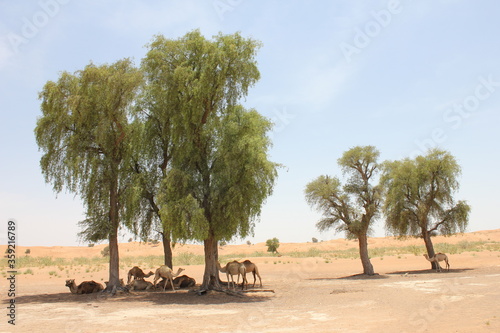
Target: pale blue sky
(399,75)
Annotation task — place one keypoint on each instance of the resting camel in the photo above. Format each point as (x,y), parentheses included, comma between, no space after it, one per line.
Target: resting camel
(234,268)
(250,267)
(180,282)
(166,272)
(184,281)
(86,287)
(121,283)
(437,258)
(139,285)
(138,274)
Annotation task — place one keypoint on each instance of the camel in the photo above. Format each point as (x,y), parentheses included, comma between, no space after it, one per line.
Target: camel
(138,274)
(163,284)
(437,258)
(184,281)
(86,287)
(234,268)
(121,283)
(250,267)
(167,273)
(180,282)
(139,285)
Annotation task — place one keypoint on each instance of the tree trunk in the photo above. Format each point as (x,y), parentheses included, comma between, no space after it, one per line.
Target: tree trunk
(429,247)
(211,275)
(114,269)
(363,254)
(167,249)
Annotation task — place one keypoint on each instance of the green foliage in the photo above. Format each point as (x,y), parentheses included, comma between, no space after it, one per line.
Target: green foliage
(273,245)
(419,195)
(84,134)
(27,252)
(314,240)
(220,174)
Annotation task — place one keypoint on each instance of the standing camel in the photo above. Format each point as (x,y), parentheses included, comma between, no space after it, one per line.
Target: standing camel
(166,272)
(437,258)
(234,268)
(138,274)
(250,267)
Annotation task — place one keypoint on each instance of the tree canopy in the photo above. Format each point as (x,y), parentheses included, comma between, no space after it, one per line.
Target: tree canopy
(419,197)
(85,135)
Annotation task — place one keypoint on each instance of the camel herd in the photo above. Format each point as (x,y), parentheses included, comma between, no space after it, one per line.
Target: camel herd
(136,278)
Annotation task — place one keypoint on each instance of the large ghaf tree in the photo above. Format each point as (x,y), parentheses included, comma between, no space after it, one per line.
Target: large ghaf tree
(351,207)
(219,174)
(85,135)
(419,198)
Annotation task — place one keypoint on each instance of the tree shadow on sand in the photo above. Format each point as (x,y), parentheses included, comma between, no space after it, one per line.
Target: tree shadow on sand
(431,271)
(182,297)
(352,277)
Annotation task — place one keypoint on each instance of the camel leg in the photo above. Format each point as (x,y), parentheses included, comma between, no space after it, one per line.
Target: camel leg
(438,267)
(245,281)
(229,282)
(172,284)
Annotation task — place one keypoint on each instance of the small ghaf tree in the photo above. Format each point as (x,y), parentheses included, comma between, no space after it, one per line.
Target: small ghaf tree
(354,206)
(84,134)
(272,245)
(419,197)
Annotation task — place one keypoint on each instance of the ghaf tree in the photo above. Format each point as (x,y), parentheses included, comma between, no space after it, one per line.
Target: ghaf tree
(219,174)
(351,207)
(84,133)
(419,197)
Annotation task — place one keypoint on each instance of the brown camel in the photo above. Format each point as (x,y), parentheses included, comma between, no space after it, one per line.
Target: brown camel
(180,282)
(437,258)
(167,273)
(138,274)
(86,287)
(234,268)
(184,281)
(250,267)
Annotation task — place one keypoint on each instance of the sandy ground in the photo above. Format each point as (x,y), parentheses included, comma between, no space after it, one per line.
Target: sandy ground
(310,295)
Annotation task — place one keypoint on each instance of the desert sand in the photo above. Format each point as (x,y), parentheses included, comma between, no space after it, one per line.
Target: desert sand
(311,294)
